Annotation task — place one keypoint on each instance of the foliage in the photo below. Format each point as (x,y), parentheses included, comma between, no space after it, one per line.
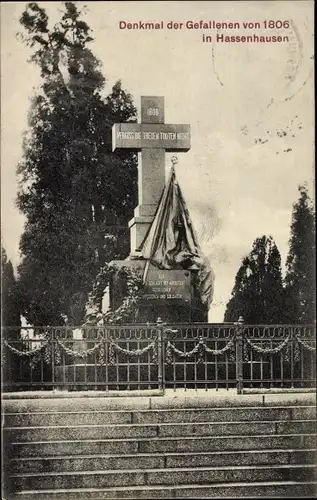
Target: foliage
(129,282)
(10,307)
(300,285)
(76,194)
(10,316)
(257,295)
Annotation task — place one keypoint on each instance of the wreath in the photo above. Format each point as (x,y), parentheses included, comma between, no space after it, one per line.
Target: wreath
(127,312)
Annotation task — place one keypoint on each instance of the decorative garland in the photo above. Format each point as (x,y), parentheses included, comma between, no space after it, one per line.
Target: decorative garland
(218,352)
(27,354)
(34,354)
(199,349)
(305,345)
(84,354)
(77,354)
(267,350)
(182,354)
(131,353)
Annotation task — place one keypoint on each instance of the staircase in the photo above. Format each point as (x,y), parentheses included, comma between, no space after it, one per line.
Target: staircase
(208,446)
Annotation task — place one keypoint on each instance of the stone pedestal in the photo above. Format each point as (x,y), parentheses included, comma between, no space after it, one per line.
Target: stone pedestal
(169,294)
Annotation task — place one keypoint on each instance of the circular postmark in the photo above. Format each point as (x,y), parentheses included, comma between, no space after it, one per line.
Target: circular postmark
(295,53)
(270,58)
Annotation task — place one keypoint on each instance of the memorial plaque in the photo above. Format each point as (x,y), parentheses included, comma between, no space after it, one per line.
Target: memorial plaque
(166,285)
(171,138)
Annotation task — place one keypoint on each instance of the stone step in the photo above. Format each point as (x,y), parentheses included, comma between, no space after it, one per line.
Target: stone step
(143,461)
(45,419)
(54,433)
(161,445)
(271,489)
(256,414)
(120,431)
(189,444)
(97,417)
(67,418)
(63,401)
(166,476)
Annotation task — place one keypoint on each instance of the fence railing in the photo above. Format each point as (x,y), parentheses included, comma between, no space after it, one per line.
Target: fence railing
(159,356)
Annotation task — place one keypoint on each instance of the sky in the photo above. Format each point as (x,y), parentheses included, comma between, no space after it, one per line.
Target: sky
(250,107)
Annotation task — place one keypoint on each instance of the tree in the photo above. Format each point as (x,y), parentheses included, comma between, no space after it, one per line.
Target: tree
(300,286)
(257,295)
(10,315)
(75,193)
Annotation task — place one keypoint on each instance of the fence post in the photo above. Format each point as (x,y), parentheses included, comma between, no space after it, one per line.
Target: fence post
(53,337)
(239,354)
(160,350)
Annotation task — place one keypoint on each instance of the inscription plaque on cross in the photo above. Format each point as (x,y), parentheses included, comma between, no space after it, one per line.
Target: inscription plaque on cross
(153,138)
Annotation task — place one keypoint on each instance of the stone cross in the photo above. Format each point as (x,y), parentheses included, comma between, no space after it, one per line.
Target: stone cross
(153,138)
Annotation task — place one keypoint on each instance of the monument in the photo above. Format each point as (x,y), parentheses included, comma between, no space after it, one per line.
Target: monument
(169,293)
(163,247)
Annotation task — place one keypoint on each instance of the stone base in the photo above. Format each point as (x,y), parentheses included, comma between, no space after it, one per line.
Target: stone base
(169,310)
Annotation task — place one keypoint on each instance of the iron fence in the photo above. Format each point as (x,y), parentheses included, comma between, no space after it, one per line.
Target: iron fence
(279,356)
(159,356)
(97,358)
(200,356)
